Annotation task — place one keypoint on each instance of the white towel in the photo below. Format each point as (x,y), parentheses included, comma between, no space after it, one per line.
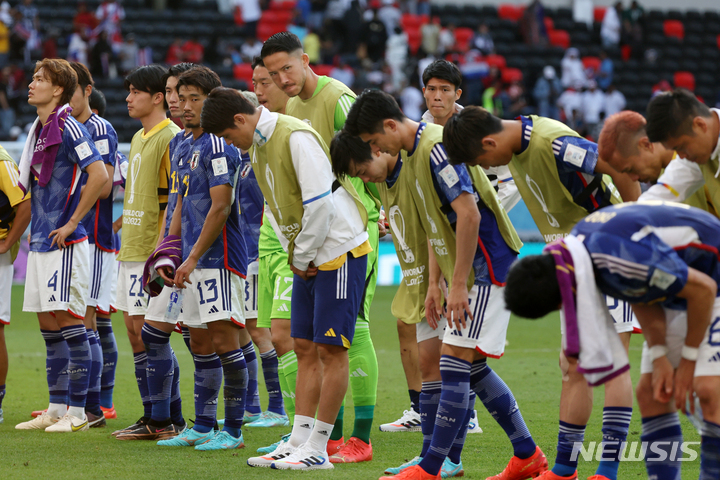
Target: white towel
(26,157)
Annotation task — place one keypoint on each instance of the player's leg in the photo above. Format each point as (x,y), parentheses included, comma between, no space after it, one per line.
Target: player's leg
(106,336)
(275,414)
(3,367)
(92,406)
(6,278)
(252,400)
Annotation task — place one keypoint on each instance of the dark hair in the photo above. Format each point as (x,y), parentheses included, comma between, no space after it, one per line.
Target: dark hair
(220,108)
(345,150)
(83,75)
(370,110)
(281,42)
(671,114)
(60,74)
(201,77)
(148,78)
(176,71)
(464,133)
(257,62)
(531,289)
(97,101)
(443,70)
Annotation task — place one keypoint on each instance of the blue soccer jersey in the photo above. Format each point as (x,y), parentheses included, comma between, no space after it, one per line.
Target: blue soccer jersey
(641,251)
(54,204)
(250,199)
(178,147)
(211,163)
(98,222)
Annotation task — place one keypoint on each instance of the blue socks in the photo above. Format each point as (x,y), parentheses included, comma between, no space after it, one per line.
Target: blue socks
(253,396)
(140,360)
(459,443)
(451,411)
(176,414)
(272,381)
(710,451)
(56,363)
(500,403)
(429,400)
(660,432)
(616,423)
(79,364)
(208,378)
(110,356)
(92,405)
(235,370)
(568,436)
(160,372)
(186,338)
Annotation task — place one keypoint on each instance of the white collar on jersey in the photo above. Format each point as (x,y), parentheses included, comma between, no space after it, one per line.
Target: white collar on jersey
(265,126)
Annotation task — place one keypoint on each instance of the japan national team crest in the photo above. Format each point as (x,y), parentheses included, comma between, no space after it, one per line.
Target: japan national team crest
(194,159)
(246,171)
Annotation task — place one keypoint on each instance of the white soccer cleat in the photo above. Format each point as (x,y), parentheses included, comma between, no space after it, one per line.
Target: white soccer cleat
(69,424)
(304,458)
(41,422)
(409,422)
(283,450)
(473,426)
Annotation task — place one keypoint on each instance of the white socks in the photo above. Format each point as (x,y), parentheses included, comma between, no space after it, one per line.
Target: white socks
(320,435)
(57,410)
(302,427)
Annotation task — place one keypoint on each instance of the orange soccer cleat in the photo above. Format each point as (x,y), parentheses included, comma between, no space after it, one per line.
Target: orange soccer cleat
(549,475)
(109,412)
(334,446)
(413,473)
(522,469)
(598,477)
(37,413)
(354,451)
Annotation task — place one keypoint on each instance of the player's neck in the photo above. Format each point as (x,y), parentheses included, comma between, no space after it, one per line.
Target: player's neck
(311,83)
(153,118)
(408,129)
(666,154)
(511,135)
(196,132)
(85,115)
(44,111)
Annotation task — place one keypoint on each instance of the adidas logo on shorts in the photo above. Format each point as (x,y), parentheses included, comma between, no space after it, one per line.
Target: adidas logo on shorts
(715,358)
(330,333)
(214,309)
(139,303)
(52,298)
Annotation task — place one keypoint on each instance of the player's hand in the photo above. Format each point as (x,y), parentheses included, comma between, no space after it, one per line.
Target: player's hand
(167,274)
(183,273)
(60,234)
(382,225)
(29,238)
(684,376)
(433,306)
(4,247)
(662,380)
(305,274)
(458,306)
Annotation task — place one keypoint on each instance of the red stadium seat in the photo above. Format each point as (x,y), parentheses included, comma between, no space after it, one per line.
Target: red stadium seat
(718,41)
(599,13)
(510,12)
(411,22)
(244,72)
(625,52)
(684,80)
(510,75)
(559,38)
(463,37)
(414,40)
(267,30)
(277,16)
(591,62)
(549,24)
(674,28)
(288,5)
(497,61)
(322,69)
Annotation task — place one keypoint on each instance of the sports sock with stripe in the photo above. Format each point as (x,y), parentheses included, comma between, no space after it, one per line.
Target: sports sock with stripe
(500,402)
(79,364)
(208,378)
(110,356)
(160,370)
(451,411)
(270,368)
(186,337)
(235,372)
(176,414)
(252,400)
(459,442)
(363,367)
(289,374)
(319,436)
(710,451)
(301,430)
(56,363)
(92,404)
(568,436)
(414,400)
(140,361)
(616,423)
(663,435)
(429,400)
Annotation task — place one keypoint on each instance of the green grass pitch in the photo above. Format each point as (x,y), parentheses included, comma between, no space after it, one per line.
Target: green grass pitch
(529,367)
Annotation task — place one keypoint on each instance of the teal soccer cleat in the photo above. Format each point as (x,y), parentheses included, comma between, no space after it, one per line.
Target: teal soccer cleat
(222,441)
(270,419)
(188,438)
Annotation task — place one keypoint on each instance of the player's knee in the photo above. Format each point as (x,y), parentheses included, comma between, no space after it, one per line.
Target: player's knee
(568,367)
(707,390)
(331,354)
(643,391)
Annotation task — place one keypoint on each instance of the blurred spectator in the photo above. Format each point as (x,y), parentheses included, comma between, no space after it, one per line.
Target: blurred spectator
(77,48)
(193,51)
(583,12)
(517,102)
(491,98)
(250,14)
(13,78)
(604,75)
(85,21)
(412,100)
(447,39)
(390,15)
(430,35)
(128,55)
(661,87)
(422,65)
(474,69)
(483,41)
(303,9)
(352,23)
(373,38)
(250,49)
(532,24)
(573,71)
(396,56)
(611,26)
(614,101)
(344,73)
(423,7)
(101,57)
(317,12)
(144,56)
(4,44)
(311,46)
(231,56)
(569,100)
(174,54)
(49,45)
(632,22)
(635,14)
(6,14)
(110,14)
(577,123)
(546,92)
(593,102)
(28,15)
(297,25)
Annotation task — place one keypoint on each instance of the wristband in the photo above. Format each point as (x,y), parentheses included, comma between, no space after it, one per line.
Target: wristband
(689,353)
(657,351)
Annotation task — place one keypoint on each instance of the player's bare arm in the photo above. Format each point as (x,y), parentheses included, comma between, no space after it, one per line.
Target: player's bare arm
(433,298)
(652,321)
(468,223)
(20,223)
(629,189)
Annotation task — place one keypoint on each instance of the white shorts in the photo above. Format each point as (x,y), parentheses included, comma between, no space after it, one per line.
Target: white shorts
(103,278)
(214,294)
(487,331)
(251,296)
(157,306)
(622,315)
(6,280)
(425,332)
(58,280)
(708,361)
(131,297)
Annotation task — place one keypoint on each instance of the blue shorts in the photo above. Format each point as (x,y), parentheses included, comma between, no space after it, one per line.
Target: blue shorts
(325,307)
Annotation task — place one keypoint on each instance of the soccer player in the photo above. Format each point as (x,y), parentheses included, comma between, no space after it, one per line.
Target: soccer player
(14,219)
(662,258)
(561,179)
(214,266)
(327,250)
(323,103)
(58,269)
(146,192)
(471,242)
